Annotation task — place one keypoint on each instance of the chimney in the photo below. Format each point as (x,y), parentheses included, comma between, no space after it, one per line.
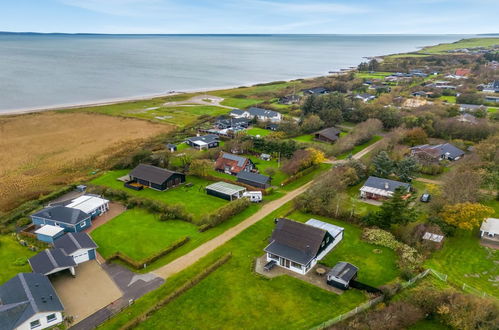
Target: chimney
(386,185)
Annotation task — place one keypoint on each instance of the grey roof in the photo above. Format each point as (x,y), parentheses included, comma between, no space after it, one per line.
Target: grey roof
(254,111)
(330,133)
(471,106)
(239,159)
(254,177)
(171,145)
(343,270)
(237,112)
(151,173)
(63,214)
(317,90)
(25,295)
(72,242)
(380,183)
(447,149)
(295,241)
(225,188)
(49,260)
(209,138)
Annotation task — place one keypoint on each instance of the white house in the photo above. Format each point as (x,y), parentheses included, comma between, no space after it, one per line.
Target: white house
(490,229)
(29,301)
(258,113)
(90,204)
(298,246)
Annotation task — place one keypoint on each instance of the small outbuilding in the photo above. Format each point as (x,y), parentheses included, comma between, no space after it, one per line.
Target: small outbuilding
(489,231)
(155,177)
(341,274)
(254,179)
(171,147)
(49,233)
(225,190)
(79,246)
(329,135)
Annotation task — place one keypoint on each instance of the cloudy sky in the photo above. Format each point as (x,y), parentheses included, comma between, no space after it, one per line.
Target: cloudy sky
(251,16)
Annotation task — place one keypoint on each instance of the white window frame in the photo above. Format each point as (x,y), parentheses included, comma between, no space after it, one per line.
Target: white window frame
(31,326)
(51,320)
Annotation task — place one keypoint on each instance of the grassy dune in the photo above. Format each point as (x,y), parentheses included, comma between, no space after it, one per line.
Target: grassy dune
(43,151)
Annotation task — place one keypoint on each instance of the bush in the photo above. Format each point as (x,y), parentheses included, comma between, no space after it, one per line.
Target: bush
(224,213)
(409,258)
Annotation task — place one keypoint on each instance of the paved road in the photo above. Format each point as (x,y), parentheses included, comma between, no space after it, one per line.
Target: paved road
(192,257)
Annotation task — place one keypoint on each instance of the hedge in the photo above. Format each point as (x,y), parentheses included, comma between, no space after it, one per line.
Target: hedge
(224,213)
(25,209)
(169,298)
(300,174)
(165,211)
(144,262)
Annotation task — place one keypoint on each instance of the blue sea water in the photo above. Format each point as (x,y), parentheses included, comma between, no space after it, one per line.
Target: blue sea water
(39,71)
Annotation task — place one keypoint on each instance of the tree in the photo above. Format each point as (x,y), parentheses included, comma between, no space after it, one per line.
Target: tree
(461,185)
(312,123)
(415,136)
(466,215)
(399,209)
(406,168)
(383,165)
(200,167)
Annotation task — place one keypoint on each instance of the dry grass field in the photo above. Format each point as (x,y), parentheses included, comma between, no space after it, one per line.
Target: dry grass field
(42,151)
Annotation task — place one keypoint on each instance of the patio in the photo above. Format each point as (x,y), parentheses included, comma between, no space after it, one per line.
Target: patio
(311,277)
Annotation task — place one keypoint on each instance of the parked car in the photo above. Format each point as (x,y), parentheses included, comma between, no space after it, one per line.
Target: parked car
(425,198)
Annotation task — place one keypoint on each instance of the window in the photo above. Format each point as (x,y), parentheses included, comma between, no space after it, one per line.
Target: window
(273,256)
(295,265)
(83,224)
(51,318)
(327,239)
(35,324)
(322,244)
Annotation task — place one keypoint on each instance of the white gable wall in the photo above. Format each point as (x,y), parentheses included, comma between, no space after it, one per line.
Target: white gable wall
(42,317)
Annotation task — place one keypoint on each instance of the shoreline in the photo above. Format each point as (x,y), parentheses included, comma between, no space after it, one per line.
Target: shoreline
(121,100)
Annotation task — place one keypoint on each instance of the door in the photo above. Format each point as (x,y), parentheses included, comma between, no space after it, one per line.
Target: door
(80,257)
(284,262)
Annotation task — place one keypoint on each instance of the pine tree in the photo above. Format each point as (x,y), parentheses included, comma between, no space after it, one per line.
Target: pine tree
(383,165)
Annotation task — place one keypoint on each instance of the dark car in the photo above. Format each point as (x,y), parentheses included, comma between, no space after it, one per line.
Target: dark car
(425,198)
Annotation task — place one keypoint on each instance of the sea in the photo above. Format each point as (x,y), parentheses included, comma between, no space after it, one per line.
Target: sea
(52,70)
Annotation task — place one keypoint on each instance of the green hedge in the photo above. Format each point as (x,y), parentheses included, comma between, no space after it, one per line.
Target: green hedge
(299,175)
(144,262)
(224,213)
(169,298)
(165,212)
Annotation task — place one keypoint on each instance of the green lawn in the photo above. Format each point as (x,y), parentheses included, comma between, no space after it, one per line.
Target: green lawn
(139,234)
(427,325)
(194,198)
(262,165)
(448,99)
(10,251)
(360,147)
(258,131)
(377,264)
(360,208)
(464,43)
(464,260)
(305,138)
(375,75)
(249,301)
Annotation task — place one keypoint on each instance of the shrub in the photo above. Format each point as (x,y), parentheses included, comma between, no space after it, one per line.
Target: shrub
(224,213)
(409,258)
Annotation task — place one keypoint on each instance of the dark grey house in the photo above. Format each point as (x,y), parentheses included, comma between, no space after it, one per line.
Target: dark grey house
(254,179)
(316,91)
(341,274)
(204,141)
(329,135)
(156,177)
(51,261)
(444,151)
(29,301)
(380,188)
(298,246)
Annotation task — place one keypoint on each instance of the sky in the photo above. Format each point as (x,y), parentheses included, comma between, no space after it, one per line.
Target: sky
(251,16)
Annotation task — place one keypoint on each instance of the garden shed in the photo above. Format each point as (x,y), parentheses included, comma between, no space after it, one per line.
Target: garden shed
(225,190)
